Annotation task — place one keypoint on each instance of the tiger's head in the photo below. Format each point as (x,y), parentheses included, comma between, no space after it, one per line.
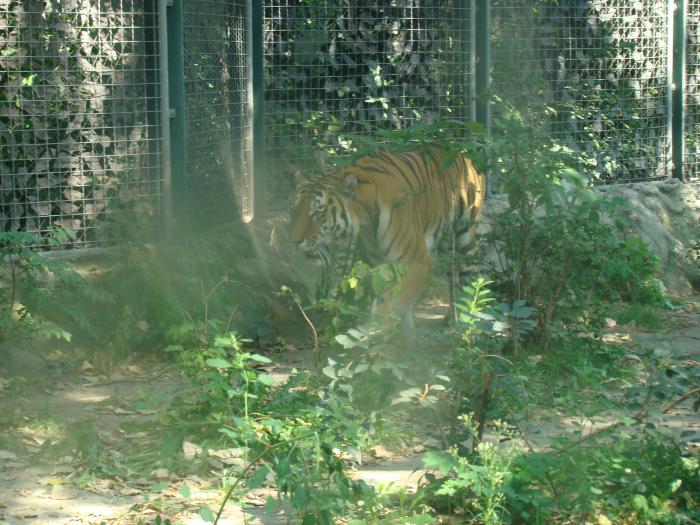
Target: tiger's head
(322,212)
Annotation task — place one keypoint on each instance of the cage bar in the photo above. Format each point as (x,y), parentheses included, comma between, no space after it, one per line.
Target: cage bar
(176,113)
(678,93)
(691,128)
(164,92)
(602,67)
(482,59)
(79,118)
(218,171)
(343,70)
(256,109)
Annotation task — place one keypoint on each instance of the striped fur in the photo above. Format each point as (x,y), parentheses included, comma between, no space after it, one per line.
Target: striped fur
(397,204)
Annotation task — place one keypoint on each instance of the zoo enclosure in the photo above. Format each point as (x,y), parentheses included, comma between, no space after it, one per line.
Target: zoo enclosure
(165,109)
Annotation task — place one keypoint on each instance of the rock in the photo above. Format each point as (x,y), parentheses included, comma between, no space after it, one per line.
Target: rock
(161,474)
(7,455)
(666,215)
(21,358)
(190,450)
(670,186)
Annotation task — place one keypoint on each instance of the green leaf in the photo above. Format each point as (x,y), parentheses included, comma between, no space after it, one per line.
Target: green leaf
(241,423)
(357,334)
(676,484)
(345,341)
(440,461)
(230,433)
(640,504)
(267,379)
(378,284)
(271,505)
(362,367)
(216,362)
(160,487)
(29,81)
(329,371)
(258,478)
(206,514)
(185,491)
(226,341)
(259,358)
(300,497)
(475,127)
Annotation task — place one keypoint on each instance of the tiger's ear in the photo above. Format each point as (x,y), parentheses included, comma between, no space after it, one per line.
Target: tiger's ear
(298,177)
(348,185)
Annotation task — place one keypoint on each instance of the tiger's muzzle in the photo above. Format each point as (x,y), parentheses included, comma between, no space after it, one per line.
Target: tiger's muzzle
(314,251)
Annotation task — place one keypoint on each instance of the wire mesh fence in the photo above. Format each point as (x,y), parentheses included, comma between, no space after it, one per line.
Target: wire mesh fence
(692,91)
(79,121)
(335,71)
(80,111)
(217,134)
(602,67)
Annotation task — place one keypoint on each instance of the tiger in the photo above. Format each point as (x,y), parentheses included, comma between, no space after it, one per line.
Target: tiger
(398,205)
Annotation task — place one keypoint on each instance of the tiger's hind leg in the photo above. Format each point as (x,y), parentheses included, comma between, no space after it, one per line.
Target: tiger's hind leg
(408,325)
(453,282)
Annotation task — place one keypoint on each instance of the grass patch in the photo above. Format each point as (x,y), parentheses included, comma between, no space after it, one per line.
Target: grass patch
(642,316)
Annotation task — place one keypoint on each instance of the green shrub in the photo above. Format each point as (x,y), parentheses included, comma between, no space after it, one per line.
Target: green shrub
(41,297)
(562,247)
(634,478)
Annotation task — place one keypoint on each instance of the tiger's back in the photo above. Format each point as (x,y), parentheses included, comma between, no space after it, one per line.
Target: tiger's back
(398,205)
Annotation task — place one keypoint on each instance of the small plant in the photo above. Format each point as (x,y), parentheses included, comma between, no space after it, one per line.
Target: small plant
(39,296)
(392,505)
(489,330)
(630,477)
(288,439)
(640,315)
(351,302)
(561,247)
(476,484)
(373,370)
(220,371)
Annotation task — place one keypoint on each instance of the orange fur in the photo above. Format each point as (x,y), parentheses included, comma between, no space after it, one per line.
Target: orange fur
(397,205)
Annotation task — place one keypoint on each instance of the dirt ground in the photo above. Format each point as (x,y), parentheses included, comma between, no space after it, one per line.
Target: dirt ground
(41,488)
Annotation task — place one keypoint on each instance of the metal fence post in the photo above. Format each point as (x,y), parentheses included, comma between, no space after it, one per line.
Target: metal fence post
(469,54)
(482,51)
(256,104)
(678,96)
(164,95)
(175,74)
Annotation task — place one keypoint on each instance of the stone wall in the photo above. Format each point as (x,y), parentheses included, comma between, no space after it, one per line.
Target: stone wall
(666,214)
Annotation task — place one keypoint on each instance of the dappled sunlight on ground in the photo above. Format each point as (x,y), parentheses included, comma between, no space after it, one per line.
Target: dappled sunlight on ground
(123,416)
(31,504)
(403,472)
(82,396)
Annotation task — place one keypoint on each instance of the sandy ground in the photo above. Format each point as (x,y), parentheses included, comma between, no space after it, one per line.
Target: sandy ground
(38,488)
